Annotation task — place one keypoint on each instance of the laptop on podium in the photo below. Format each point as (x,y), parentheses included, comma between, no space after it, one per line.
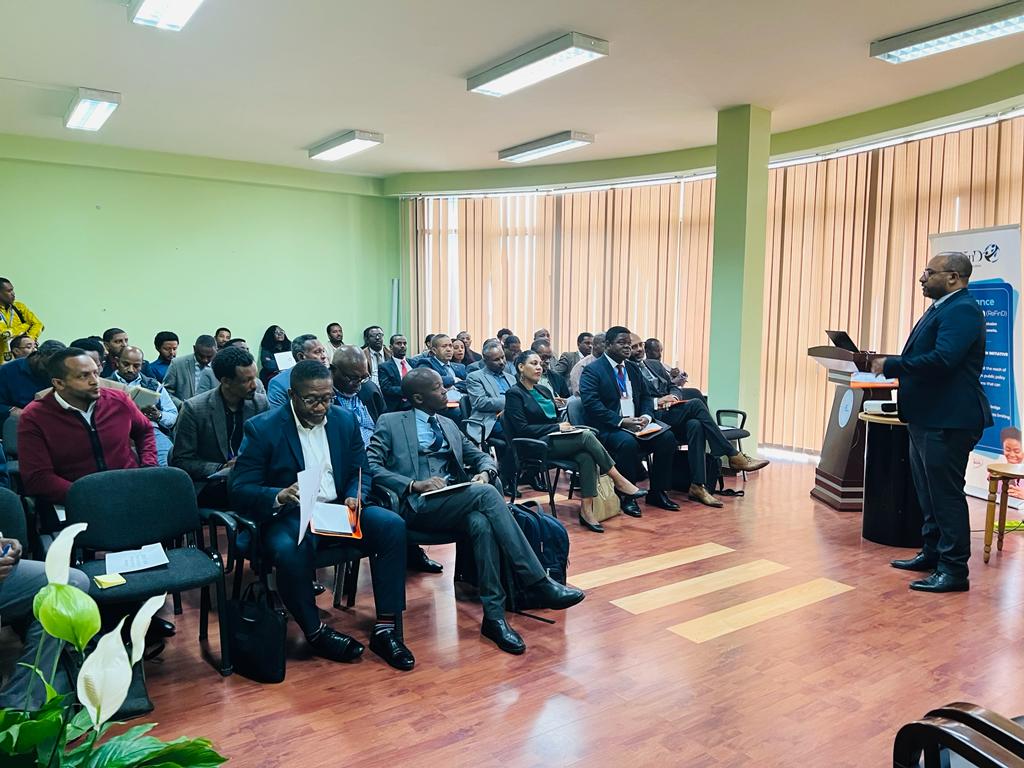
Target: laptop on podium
(842,340)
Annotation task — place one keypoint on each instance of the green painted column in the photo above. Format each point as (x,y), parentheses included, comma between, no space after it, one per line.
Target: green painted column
(737,284)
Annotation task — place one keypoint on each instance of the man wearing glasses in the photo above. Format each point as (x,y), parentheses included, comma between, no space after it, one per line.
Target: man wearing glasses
(306,432)
(946,410)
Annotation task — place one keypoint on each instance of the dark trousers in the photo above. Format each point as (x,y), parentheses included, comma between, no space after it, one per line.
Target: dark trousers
(383,541)
(938,461)
(481,512)
(627,451)
(694,427)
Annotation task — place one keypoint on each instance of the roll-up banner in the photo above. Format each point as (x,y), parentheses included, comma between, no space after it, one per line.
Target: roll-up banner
(995,285)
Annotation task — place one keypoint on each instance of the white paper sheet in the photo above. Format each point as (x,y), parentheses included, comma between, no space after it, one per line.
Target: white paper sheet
(149,556)
(284,360)
(872,378)
(309,487)
(331,518)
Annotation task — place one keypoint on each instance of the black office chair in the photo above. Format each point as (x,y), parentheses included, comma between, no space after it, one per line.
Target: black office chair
(12,518)
(10,440)
(129,508)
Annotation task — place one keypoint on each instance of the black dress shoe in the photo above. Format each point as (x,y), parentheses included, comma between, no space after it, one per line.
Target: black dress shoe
(941,582)
(389,646)
(503,636)
(629,506)
(660,499)
(595,527)
(162,627)
(919,562)
(417,560)
(548,593)
(640,493)
(318,588)
(334,645)
(538,486)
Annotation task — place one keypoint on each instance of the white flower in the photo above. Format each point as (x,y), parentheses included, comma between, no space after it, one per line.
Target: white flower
(140,625)
(58,558)
(105,677)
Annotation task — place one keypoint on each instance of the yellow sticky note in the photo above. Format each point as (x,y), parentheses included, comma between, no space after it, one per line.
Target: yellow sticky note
(109,580)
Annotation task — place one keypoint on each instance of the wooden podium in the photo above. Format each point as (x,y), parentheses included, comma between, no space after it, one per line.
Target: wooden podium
(839,478)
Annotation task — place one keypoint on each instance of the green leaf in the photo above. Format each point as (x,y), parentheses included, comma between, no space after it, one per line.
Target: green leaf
(194,753)
(130,748)
(51,692)
(67,613)
(79,725)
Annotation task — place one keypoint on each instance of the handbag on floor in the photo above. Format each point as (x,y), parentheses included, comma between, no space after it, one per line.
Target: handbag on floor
(606,504)
(257,636)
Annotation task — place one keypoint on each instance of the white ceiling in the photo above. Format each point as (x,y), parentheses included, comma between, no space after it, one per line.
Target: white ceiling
(261,80)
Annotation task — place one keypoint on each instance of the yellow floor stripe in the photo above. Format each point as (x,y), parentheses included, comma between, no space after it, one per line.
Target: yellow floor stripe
(755,611)
(653,599)
(646,565)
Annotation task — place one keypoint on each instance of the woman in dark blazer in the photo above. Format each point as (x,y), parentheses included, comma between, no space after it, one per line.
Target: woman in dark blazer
(530,411)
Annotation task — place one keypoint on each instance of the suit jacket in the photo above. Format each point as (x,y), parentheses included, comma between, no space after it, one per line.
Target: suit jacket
(599,392)
(559,385)
(485,400)
(432,362)
(940,368)
(523,416)
(201,440)
(475,366)
(394,454)
(371,397)
(271,458)
(471,357)
(565,362)
(390,381)
(385,353)
(180,378)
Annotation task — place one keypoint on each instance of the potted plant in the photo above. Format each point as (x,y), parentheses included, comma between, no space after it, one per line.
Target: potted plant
(61,734)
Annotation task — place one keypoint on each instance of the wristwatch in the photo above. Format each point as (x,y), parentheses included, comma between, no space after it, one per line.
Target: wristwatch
(492,474)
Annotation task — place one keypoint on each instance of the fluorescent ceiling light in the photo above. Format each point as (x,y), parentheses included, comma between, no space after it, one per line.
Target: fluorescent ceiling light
(345,144)
(162,14)
(90,109)
(549,145)
(1007,19)
(553,58)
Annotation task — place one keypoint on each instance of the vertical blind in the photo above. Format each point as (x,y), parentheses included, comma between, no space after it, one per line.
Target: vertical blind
(847,238)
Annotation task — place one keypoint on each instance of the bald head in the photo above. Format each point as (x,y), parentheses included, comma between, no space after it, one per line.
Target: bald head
(129,363)
(349,369)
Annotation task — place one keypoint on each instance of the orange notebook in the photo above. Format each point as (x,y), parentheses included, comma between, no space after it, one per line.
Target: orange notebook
(354,518)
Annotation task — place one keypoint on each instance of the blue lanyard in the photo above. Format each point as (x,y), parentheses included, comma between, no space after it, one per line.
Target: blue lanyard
(620,379)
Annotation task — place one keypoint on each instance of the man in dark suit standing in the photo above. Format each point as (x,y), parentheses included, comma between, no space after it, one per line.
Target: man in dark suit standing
(617,404)
(391,373)
(417,451)
(309,431)
(945,408)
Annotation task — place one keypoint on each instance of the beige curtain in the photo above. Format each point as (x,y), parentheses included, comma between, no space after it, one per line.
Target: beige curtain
(847,239)
(571,262)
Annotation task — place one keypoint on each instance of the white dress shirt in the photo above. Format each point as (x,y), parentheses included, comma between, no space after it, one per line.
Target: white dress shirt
(86,414)
(317,453)
(625,400)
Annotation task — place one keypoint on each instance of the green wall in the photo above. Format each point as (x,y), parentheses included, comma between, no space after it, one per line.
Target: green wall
(88,248)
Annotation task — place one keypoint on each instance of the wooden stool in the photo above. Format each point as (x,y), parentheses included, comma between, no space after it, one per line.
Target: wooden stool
(1006,473)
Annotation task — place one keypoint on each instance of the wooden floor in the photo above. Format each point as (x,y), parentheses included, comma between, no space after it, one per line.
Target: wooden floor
(767,633)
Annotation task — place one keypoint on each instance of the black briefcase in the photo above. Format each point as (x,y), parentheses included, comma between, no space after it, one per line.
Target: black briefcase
(258,634)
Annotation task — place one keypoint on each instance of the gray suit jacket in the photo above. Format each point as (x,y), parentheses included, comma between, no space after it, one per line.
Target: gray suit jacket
(394,453)
(180,378)
(486,401)
(201,444)
(565,363)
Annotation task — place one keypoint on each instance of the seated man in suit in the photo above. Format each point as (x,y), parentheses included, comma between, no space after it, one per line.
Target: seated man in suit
(354,392)
(304,347)
(670,377)
(486,388)
(309,431)
(210,426)
(555,382)
(373,348)
(21,379)
(421,450)
(596,350)
(513,346)
(617,404)
(162,416)
(183,375)
(567,360)
(391,373)
(440,361)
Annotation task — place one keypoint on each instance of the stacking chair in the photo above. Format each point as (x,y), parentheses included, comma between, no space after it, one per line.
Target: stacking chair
(129,508)
(530,459)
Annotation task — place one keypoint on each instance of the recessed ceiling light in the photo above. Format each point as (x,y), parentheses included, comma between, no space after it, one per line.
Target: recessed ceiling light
(549,145)
(1007,19)
(90,109)
(560,55)
(162,14)
(345,144)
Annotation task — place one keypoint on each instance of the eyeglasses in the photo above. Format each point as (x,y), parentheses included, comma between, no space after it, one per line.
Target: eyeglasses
(929,272)
(360,380)
(312,400)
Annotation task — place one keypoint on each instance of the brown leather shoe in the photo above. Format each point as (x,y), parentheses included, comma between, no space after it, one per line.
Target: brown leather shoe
(743,463)
(701,494)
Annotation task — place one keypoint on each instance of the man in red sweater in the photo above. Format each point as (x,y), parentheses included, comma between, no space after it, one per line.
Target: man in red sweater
(78,429)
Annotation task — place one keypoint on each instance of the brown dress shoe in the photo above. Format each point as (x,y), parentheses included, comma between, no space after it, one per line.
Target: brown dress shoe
(743,463)
(700,493)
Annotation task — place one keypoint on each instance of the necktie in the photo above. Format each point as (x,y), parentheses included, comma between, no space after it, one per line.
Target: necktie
(438,434)
(620,376)
(404,369)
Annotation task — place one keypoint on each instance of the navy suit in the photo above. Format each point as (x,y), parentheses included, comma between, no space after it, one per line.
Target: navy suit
(447,377)
(390,381)
(600,394)
(945,408)
(270,459)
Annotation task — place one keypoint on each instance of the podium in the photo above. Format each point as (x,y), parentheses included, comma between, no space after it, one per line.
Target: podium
(839,477)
